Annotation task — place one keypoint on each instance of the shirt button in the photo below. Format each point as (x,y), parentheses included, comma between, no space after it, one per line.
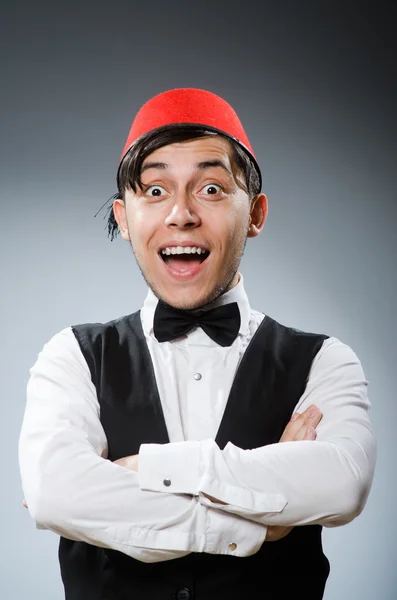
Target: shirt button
(232,546)
(183,594)
(197,376)
(167,482)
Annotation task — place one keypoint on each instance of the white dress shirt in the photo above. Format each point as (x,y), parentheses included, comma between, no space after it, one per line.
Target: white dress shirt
(71,488)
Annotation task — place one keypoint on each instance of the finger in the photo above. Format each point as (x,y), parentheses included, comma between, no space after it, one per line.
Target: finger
(310,434)
(311,410)
(25,503)
(312,416)
(292,428)
(300,434)
(305,432)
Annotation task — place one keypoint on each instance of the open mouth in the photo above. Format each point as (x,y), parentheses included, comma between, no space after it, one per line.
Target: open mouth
(184,259)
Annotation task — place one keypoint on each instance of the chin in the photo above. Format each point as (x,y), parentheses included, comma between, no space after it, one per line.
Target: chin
(194,300)
(191,297)
(188,302)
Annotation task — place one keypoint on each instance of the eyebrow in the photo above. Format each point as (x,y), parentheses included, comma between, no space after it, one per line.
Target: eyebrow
(206,164)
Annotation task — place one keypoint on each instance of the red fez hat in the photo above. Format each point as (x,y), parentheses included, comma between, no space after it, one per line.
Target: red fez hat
(189,106)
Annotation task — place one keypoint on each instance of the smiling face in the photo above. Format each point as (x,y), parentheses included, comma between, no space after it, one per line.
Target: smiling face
(189,223)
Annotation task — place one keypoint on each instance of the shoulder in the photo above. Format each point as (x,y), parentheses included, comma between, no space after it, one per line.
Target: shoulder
(337,357)
(284,334)
(332,357)
(257,317)
(330,353)
(110,339)
(66,345)
(63,341)
(98,328)
(60,354)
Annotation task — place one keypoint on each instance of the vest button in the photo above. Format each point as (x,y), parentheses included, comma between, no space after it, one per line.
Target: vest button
(197,376)
(167,482)
(183,594)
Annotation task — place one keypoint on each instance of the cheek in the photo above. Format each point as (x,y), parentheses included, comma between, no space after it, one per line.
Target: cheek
(230,235)
(236,224)
(140,232)
(144,232)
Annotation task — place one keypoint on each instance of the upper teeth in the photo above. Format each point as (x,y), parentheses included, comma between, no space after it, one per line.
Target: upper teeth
(183,250)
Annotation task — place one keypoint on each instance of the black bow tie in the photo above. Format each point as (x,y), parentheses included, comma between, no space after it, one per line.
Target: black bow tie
(221,324)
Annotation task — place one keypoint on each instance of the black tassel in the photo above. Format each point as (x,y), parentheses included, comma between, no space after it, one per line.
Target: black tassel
(112,226)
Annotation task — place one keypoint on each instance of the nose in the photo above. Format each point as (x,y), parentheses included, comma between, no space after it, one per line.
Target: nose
(183,214)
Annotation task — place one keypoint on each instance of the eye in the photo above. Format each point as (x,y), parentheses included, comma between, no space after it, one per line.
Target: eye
(211,189)
(155,191)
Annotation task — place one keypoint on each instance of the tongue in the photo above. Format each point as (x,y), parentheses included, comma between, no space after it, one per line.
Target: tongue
(183,264)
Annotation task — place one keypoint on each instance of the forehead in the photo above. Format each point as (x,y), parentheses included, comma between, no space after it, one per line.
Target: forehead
(196,150)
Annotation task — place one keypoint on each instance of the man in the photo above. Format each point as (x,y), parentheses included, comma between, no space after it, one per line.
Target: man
(151,444)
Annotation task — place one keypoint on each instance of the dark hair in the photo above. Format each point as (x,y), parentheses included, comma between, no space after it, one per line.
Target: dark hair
(128,175)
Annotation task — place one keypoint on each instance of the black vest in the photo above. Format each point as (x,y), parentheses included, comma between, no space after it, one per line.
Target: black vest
(270,380)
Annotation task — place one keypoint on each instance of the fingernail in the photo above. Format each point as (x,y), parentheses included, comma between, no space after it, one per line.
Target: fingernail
(294,416)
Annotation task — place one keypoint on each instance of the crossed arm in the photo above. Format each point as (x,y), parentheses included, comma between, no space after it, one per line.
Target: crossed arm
(302,427)
(72,489)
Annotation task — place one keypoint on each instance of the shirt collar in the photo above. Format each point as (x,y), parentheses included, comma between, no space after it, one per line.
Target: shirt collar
(236,294)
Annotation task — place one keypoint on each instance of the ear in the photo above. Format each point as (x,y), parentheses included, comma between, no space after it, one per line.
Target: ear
(258,215)
(120,216)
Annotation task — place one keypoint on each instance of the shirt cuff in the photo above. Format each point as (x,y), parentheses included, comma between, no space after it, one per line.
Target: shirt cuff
(260,508)
(232,535)
(173,468)
(197,468)
(258,503)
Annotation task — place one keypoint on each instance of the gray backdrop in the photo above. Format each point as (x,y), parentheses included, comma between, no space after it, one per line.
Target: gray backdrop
(314,86)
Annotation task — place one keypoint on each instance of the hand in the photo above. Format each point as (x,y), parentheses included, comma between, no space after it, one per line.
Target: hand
(301,427)
(128,462)
(276,532)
